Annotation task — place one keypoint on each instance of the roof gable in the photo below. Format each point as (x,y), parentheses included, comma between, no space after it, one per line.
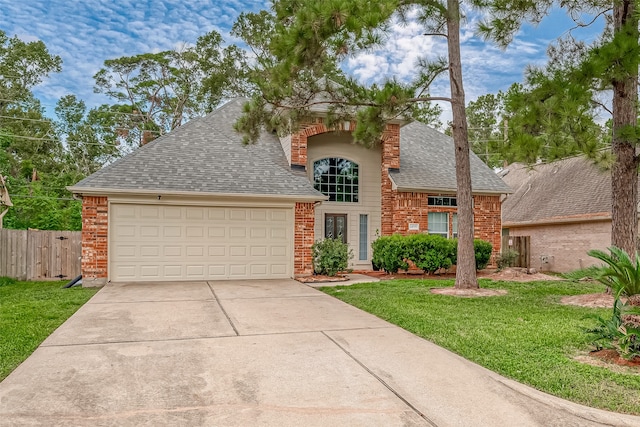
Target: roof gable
(206,155)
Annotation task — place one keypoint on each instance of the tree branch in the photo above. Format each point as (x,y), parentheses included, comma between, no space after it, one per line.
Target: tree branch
(446,36)
(583,25)
(601,105)
(430,98)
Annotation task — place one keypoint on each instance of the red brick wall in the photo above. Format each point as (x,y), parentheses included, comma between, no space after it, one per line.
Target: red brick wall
(303,239)
(487,221)
(299,141)
(94,240)
(390,160)
(410,207)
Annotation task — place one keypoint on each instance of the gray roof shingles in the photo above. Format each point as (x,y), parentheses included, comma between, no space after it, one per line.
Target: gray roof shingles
(569,188)
(427,161)
(206,155)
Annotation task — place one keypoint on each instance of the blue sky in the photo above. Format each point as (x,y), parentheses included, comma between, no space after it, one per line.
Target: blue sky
(85,33)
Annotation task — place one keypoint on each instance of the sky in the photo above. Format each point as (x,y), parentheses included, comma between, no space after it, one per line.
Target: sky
(85,33)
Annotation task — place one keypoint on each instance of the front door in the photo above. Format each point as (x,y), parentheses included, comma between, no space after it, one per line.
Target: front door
(335,226)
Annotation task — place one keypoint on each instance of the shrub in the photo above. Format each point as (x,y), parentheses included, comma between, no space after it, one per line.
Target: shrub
(483,250)
(330,256)
(430,252)
(390,253)
(507,258)
(615,333)
(621,273)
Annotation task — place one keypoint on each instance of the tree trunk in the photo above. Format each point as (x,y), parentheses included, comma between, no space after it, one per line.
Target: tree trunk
(624,173)
(466,266)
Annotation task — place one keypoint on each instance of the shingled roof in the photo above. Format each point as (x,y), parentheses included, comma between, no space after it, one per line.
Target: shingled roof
(569,189)
(206,155)
(427,163)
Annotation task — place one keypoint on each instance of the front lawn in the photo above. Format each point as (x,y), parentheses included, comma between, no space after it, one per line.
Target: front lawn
(525,335)
(29,313)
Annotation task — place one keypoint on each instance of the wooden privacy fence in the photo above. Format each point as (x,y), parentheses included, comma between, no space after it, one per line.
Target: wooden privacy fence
(40,255)
(520,244)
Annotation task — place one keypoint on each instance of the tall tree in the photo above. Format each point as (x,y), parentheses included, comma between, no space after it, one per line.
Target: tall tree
(157,92)
(486,127)
(611,63)
(90,141)
(23,65)
(300,68)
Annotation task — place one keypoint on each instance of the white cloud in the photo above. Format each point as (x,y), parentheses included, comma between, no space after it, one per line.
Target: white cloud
(86,33)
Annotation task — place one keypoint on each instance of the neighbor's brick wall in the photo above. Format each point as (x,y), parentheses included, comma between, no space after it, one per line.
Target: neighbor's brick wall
(565,245)
(303,239)
(95,218)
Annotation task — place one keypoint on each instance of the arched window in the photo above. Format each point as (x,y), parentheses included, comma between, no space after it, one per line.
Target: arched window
(336,178)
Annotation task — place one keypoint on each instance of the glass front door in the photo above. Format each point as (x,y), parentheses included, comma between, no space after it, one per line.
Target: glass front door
(335,226)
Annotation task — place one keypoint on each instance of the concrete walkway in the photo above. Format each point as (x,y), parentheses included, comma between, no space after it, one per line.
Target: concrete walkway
(259,353)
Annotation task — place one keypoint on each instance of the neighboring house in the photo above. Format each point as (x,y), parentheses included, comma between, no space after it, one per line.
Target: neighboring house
(197,204)
(565,208)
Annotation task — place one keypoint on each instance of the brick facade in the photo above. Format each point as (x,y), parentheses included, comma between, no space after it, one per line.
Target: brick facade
(414,208)
(299,141)
(487,221)
(563,247)
(401,208)
(95,226)
(390,160)
(398,209)
(303,239)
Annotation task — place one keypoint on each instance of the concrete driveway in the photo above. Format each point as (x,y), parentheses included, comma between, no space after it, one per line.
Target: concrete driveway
(259,353)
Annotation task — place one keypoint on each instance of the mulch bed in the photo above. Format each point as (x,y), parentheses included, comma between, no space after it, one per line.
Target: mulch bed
(507,274)
(612,356)
(318,278)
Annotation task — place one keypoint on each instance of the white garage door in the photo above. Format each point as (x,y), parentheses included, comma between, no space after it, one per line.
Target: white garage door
(154,242)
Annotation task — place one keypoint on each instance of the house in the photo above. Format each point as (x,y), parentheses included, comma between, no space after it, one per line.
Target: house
(565,208)
(197,204)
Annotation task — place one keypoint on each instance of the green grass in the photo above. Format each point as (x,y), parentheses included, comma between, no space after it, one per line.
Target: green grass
(525,335)
(29,313)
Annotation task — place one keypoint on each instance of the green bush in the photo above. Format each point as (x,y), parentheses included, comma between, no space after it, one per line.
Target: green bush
(507,258)
(430,252)
(330,256)
(621,272)
(390,253)
(483,250)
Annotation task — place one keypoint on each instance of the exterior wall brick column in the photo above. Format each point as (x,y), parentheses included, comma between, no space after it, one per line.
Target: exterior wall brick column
(303,239)
(487,222)
(390,160)
(95,220)
(299,141)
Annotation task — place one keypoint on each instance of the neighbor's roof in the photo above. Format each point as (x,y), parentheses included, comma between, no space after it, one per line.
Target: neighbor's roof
(205,155)
(570,189)
(427,163)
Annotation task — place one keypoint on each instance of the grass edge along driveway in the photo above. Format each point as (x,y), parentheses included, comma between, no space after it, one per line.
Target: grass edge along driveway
(526,335)
(29,313)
